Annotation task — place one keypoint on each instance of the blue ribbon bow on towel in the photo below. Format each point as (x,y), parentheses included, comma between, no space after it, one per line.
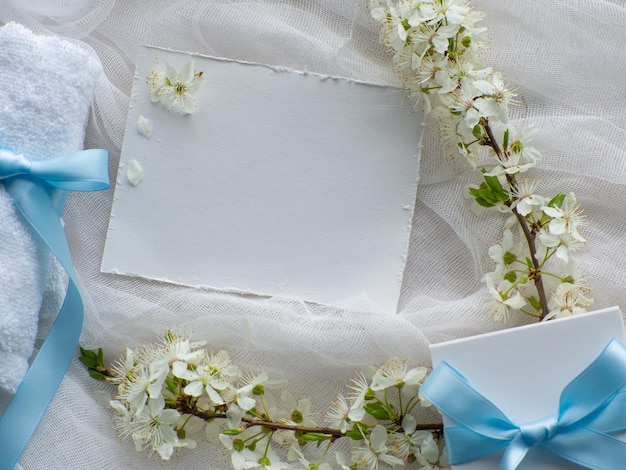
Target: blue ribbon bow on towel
(591,406)
(31,186)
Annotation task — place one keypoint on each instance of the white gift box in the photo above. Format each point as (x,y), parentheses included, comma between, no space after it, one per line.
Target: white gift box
(524,370)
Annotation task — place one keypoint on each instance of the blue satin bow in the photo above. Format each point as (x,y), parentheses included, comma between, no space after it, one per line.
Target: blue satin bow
(591,406)
(31,185)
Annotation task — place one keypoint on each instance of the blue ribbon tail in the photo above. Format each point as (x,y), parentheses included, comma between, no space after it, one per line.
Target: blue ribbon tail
(46,372)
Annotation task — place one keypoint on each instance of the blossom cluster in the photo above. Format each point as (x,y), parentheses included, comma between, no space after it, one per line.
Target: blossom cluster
(173,88)
(380,413)
(436,47)
(174,393)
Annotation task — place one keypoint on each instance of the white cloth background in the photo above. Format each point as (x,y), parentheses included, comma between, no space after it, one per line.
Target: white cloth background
(567,61)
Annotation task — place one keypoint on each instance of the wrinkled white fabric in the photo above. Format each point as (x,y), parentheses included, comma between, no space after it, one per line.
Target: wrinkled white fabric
(564,57)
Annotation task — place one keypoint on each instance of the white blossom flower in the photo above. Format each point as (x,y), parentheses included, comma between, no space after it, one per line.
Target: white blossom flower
(359,387)
(232,395)
(452,11)
(504,254)
(511,164)
(146,383)
(462,100)
(122,368)
(567,218)
(341,414)
(407,442)
(568,299)
(174,89)
(526,201)
(180,350)
(153,429)
(202,378)
(496,98)
(519,142)
(393,18)
(395,373)
(375,451)
(221,364)
(122,418)
(504,298)
(298,412)
(439,37)
(431,457)
(256,384)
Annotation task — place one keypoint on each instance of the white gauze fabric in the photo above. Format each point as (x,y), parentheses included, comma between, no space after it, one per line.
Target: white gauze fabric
(46,85)
(566,61)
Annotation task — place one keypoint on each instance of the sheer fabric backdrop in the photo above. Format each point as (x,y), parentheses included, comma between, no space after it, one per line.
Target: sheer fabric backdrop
(564,57)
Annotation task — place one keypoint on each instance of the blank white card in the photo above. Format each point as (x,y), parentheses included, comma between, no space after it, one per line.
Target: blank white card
(281,183)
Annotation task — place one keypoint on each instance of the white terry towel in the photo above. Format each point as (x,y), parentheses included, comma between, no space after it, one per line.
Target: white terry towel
(46,85)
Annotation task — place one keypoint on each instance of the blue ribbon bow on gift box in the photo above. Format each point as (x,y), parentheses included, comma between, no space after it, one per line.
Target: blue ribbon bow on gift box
(31,185)
(591,406)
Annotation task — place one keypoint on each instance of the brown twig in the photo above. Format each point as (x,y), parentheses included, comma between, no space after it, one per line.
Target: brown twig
(249,422)
(528,234)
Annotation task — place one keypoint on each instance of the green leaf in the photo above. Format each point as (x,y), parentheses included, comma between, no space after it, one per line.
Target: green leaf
(88,353)
(88,361)
(557,201)
(490,192)
(505,139)
(499,194)
(377,410)
(354,434)
(96,375)
(493,182)
(87,357)
(483,196)
(534,302)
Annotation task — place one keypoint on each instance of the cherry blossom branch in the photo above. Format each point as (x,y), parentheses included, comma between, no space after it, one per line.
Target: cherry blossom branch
(436,48)
(250,422)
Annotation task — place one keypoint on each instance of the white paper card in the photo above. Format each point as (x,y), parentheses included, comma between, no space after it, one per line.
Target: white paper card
(280,183)
(524,370)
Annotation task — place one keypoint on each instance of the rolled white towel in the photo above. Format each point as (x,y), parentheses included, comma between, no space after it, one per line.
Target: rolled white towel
(46,86)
